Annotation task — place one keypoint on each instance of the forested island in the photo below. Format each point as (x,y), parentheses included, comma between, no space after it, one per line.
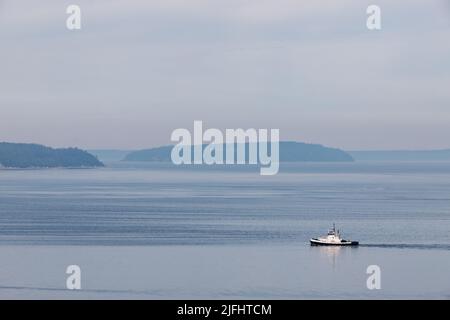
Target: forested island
(289,152)
(23,155)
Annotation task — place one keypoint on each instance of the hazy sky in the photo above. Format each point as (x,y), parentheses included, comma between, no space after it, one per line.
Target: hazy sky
(140,69)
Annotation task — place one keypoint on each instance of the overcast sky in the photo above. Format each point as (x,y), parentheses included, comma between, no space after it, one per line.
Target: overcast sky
(140,69)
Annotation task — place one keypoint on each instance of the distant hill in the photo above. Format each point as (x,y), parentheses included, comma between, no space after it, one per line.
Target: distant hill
(110,155)
(289,152)
(402,155)
(21,155)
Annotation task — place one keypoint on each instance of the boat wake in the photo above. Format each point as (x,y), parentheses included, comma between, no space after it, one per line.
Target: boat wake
(407,246)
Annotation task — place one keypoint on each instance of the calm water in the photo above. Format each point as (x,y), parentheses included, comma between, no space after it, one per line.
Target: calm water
(151,231)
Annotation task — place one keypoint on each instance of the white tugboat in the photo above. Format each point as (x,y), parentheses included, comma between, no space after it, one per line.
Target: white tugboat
(333,238)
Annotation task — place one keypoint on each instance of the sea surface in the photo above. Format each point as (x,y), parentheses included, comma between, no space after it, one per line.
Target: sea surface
(155,231)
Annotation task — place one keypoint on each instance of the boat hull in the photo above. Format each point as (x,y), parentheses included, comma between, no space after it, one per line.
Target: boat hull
(317,242)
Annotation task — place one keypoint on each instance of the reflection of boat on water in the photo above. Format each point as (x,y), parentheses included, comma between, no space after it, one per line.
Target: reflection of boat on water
(332,253)
(333,238)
